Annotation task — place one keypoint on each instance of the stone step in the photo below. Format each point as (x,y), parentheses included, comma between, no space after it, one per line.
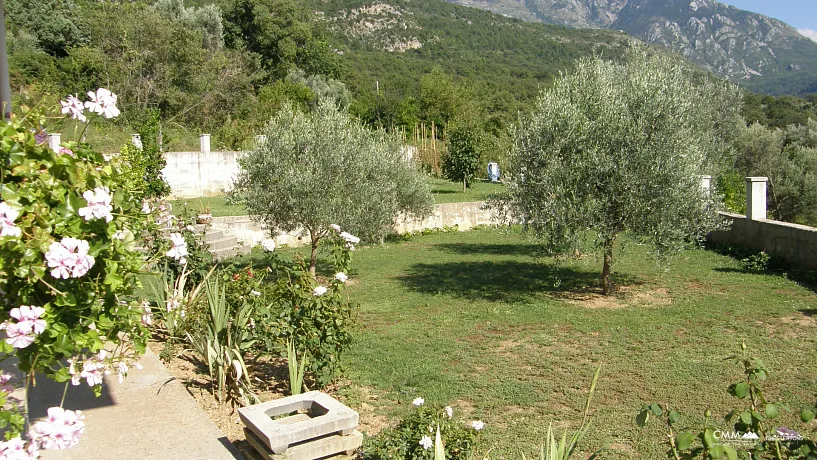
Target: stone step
(222,254)
(223,243)
(214,235)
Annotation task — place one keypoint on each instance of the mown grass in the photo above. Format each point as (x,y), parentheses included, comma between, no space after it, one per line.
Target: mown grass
(479,321)
(442,190)
(445,191)
(218,206)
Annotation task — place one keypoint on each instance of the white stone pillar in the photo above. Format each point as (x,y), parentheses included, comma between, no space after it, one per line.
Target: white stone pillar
(756,198)
(136,140)
(205,143)
(54,142)
(260,140)
(706,183)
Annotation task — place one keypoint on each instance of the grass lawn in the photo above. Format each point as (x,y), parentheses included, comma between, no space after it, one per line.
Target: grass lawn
(442,190)
(445,191)
(217,204)
(476,320)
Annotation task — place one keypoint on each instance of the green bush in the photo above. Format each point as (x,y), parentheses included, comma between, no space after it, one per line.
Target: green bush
(404,441)
(313,313)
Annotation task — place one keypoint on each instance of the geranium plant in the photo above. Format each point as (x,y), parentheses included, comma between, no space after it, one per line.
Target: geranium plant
(69,264)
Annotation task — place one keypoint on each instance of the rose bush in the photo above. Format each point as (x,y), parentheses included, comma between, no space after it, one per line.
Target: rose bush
(69,265)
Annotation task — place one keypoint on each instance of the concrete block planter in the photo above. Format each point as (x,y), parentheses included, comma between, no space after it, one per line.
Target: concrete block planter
(303,427)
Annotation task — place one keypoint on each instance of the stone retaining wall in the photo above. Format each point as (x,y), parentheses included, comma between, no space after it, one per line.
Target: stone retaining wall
(796,244)
(464,215)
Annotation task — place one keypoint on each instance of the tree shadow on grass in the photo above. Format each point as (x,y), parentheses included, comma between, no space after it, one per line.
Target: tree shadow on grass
(508,281)
(519,249)
(810,312)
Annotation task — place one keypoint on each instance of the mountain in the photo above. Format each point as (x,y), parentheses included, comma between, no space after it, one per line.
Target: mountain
(761,53)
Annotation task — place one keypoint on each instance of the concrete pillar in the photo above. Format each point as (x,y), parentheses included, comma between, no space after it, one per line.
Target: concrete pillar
(5,85)
(136,140)
(260,140)
(54,142)
(706,183)
(756,198)
(205,143)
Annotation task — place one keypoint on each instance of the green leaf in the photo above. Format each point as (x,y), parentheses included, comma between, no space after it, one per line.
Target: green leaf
(709,438)
(62,375)
(772,411)
(722,451)
(806,415)
(742,390)
(642,418)
(656,410)
(746,417)
(674,416)
(684,440)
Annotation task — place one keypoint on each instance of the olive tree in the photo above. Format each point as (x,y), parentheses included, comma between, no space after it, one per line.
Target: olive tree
(614,148)
(322,168)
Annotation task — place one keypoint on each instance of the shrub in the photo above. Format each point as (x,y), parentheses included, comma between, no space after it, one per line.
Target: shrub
(314,315)
(223,342)
(412,438)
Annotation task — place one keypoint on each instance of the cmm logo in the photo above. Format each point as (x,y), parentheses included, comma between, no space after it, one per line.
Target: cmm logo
(735,436)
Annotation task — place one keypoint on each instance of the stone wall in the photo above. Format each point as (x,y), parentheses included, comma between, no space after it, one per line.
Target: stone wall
(796,244)
(464,215)
(194,174)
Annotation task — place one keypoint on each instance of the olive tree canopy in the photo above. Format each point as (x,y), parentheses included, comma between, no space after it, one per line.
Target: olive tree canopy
(322,168)
(616,148)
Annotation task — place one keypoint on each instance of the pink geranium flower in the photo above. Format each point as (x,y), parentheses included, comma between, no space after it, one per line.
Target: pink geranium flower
(99,204)
(18,336)
(69,258)
(60,430)
(16,449)
(28,326)
(73,106)
(5,386)
(102,102)
(179,249)
(7,217)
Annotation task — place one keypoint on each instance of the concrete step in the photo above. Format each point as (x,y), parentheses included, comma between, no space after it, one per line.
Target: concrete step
(221,254)
(223,243)
(214,235)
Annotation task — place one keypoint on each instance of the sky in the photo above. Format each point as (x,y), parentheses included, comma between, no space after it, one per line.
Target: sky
(802,14)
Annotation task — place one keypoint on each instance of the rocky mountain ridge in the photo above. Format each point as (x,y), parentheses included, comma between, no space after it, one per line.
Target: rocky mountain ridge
(762,53)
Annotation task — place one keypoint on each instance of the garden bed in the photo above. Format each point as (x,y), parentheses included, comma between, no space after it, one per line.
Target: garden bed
(477,320)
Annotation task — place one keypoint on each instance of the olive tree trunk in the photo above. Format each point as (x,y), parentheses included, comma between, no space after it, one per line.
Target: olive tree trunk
(606,271)
(313,258)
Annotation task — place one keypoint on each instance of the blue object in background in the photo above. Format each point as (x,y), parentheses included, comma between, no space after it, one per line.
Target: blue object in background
(493,171)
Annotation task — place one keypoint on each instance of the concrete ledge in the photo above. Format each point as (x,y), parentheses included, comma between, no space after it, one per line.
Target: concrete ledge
(794,243)
(324,416)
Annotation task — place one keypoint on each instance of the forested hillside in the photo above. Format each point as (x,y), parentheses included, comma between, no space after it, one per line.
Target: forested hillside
(226,66)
